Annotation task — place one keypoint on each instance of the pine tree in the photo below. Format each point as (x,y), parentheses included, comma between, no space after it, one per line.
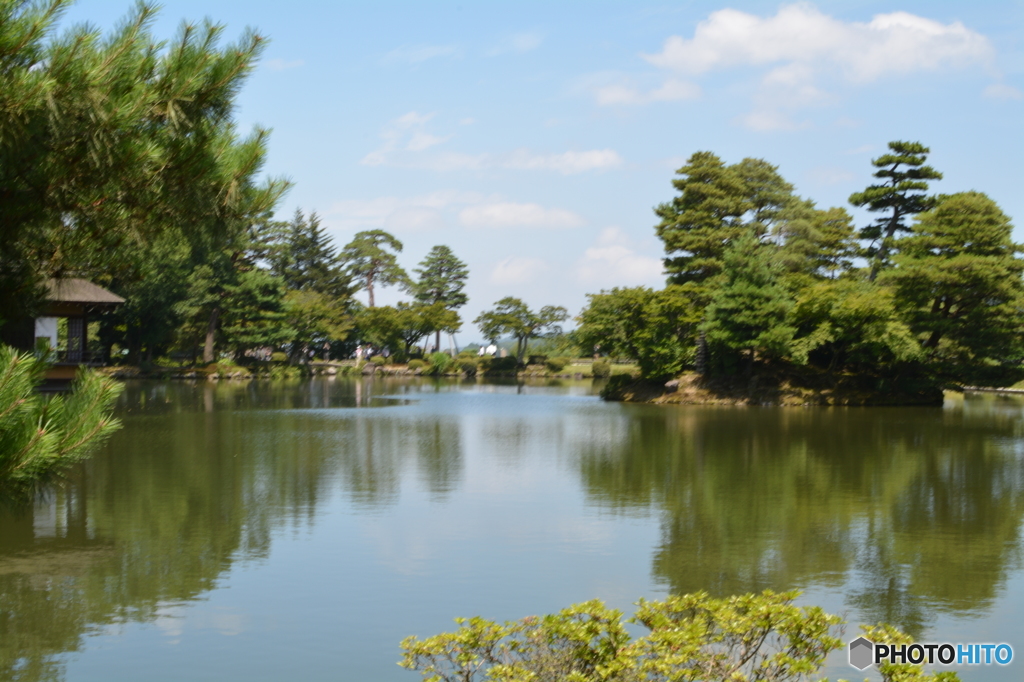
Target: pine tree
(41,436)
(750,308)
(697,225)
(442,277)
(958,279)
(512,317)
(718,204)
(900,196)
(816,243)
(108,141)
(304,257)
(370,260)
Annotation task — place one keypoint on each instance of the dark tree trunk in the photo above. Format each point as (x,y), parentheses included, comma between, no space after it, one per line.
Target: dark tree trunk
(211,335)
(883,249)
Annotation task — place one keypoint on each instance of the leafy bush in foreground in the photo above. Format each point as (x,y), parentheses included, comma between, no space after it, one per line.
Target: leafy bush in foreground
(693,637)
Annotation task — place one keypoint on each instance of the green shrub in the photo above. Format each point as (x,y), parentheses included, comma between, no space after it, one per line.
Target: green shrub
(690,637)
(467,365)
(279,356)
(440,362)
(508,364)
(602,368)
(556,365)
(417,364)
(537,359)
(379,360)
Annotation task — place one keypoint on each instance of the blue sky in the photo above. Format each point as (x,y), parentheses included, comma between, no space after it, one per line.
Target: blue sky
(535,138)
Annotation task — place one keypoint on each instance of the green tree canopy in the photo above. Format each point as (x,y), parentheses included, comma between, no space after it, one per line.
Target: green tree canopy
(108,141)
(716,205)
(301,253)
(817,243)
(750,309)
(511,317)
(957,278)
(656,328)
(370,258)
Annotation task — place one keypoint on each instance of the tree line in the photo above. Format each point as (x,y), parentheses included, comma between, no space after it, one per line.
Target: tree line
(931,291)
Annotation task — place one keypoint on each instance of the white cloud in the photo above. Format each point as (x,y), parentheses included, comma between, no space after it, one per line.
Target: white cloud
(405,133)
(282,65)
(799,34)
(405,139)
(417,54)
(567,163)
(831,175)
(421,141)
(414,219)
(421,212)
(512,215)
(769,119)
(799,48)
(517,270)
(518,42)
(612,262)
(620,94)
(1002,91)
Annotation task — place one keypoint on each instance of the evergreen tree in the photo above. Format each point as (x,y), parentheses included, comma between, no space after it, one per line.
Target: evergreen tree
(370,261)
(816,243)
(718,204)
(766,194)
(109,141)
(225,287)
(442,277)
(958,279)
(301,253)
(697,225)
(750,308)
(901,195)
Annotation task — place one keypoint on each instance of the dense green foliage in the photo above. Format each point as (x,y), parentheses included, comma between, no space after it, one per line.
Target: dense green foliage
(753,637)
(767,277)
(41,436)
(656,328)
(107,143)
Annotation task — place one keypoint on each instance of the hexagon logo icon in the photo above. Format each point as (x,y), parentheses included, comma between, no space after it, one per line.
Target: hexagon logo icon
(862,653)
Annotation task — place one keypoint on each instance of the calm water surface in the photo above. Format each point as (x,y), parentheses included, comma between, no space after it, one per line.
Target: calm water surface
(299,531)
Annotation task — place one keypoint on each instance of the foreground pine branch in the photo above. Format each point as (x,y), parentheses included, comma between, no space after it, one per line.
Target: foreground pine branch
(41,436)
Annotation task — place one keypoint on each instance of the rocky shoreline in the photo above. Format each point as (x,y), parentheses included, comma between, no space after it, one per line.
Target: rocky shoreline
(770,389)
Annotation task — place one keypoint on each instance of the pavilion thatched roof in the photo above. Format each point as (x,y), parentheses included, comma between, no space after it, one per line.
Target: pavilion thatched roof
(75,290)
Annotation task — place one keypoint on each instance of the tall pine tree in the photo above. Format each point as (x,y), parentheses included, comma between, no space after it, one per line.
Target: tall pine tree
(900,195)
(442,278)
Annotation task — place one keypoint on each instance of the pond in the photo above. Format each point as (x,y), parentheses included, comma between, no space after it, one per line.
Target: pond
(299,531)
